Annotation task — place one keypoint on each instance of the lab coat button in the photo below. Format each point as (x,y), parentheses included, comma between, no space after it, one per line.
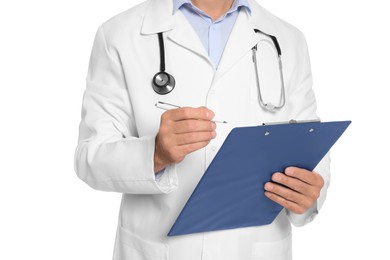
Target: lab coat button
(213,148)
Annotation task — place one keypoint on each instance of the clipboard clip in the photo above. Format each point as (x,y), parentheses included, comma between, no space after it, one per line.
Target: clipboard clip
(293,121)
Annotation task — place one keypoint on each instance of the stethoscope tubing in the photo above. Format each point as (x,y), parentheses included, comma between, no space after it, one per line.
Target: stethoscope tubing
(163,82)
(269,106)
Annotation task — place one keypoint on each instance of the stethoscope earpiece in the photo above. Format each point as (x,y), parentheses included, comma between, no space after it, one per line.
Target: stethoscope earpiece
(163,83)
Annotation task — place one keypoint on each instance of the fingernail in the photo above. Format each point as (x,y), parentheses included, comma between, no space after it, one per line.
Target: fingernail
(210,115)
(276,177)
(289,171)
(213,134)
(268,186)
(213,125)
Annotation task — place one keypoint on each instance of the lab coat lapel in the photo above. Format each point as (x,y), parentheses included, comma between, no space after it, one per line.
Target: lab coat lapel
(241,40)
(243,37)
(184,35)
(159,17)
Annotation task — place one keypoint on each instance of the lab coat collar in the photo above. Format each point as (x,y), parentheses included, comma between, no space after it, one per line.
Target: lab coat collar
(236,4)
(262,20)
(243,36)
(158,17)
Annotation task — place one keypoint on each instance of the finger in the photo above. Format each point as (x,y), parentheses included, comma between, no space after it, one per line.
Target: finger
(292,183)
(289,194)
(184,113)
(188,126)
(305,175)
(292,206)
(194,137)
(311,191)
(189,148)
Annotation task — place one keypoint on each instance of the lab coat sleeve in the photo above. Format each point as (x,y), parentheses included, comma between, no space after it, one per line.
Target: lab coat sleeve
(303,107)
(110,155)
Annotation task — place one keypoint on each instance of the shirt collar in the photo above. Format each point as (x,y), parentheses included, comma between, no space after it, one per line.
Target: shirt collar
(236,4)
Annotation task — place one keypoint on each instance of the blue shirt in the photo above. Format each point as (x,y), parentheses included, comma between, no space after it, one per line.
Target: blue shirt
(213,34)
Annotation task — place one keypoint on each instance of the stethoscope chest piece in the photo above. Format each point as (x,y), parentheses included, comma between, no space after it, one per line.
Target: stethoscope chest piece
(163,83)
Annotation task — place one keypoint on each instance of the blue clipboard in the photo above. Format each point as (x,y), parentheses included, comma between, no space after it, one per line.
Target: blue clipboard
(231,192)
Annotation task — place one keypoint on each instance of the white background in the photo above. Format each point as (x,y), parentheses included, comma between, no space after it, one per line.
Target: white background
(48,213)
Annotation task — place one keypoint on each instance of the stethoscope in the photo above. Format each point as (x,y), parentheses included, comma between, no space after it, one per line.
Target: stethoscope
(163,82)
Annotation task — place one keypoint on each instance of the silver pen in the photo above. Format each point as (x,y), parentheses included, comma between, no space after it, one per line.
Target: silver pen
(168,106)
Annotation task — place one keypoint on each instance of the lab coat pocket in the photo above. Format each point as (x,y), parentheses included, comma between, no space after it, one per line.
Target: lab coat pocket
(129,246)
(278,250)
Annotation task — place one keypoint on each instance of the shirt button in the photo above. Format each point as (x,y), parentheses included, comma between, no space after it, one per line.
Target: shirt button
(213,148)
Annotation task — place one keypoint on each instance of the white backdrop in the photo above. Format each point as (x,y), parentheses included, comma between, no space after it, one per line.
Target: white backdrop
(48,213)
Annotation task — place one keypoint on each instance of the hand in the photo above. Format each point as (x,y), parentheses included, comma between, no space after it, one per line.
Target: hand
(182,131)
(296,190)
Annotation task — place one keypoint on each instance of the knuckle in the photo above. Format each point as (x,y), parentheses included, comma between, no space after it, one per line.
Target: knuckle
(300,210)
(186,112)
(177,157)
(316,194)
(308,203)
(165,116)
(321,181)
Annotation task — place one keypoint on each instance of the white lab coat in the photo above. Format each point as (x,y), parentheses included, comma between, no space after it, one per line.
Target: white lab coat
(120,122)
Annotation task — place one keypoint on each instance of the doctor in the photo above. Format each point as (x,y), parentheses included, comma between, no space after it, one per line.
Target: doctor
(198,55)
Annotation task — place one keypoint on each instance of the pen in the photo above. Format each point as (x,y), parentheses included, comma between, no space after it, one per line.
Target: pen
(168,106)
